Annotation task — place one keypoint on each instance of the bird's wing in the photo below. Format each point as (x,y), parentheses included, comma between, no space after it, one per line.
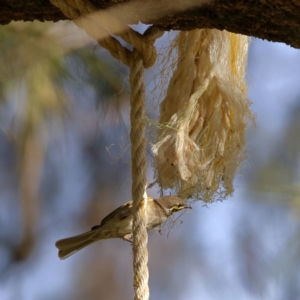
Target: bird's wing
(121,211)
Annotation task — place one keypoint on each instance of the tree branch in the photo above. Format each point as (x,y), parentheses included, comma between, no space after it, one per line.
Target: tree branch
(277,21)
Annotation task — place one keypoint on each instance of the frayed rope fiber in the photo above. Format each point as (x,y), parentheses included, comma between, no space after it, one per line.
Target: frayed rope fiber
(203,117)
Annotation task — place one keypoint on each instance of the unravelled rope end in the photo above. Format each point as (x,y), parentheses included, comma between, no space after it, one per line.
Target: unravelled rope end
(203,117)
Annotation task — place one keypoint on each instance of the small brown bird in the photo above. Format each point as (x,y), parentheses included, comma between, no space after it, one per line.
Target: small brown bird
(118,224)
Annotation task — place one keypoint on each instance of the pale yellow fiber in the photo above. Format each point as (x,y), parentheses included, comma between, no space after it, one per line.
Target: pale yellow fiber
(203,117)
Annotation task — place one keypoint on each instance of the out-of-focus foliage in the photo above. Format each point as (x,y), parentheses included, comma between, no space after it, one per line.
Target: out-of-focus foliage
(37,68)
(279,176)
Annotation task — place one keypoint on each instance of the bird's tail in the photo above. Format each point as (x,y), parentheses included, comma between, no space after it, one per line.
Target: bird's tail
(71,245)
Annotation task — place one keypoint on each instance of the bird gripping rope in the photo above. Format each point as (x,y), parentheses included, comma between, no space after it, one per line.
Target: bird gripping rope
(142,56)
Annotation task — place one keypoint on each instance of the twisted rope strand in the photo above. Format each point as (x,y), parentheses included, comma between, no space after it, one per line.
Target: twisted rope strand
(143,56)
(139,167)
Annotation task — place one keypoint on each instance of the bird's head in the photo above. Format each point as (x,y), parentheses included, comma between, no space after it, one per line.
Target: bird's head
(172,204)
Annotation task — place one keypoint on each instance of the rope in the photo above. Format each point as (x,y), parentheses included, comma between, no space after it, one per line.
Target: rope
(139,167)
(143,56)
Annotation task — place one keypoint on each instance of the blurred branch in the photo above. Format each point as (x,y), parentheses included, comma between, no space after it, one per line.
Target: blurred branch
(31,167)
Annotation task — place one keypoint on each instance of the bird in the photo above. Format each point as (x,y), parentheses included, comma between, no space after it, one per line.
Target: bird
(118,224)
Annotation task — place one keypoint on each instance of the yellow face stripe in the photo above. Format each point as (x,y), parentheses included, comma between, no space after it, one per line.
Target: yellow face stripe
(177,208)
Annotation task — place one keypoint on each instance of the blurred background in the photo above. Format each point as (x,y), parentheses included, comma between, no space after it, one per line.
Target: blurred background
(65,164)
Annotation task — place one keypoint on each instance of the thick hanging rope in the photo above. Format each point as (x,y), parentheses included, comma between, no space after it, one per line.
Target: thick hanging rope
(139,167)
(143,56)
(138,60)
